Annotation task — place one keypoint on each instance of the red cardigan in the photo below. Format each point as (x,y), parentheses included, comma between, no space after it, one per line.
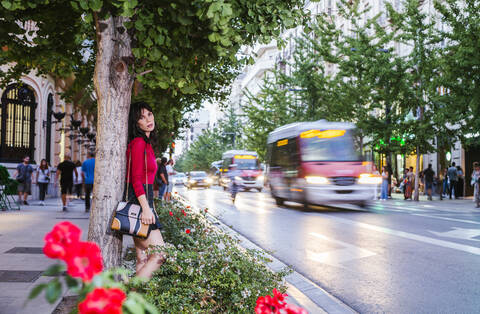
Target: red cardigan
(137,147)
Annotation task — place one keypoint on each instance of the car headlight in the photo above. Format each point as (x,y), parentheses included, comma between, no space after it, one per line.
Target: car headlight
(238,178)
(192,181)
(316,180)
(260,178)
(368,178)
(209,180)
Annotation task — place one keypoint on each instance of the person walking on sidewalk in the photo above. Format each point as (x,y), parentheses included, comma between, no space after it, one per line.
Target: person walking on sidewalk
(460,183)
(429,175)
(65,171)
(171,172)
(384,188)
(78,180)
(453,178)
(162,177)
(143,167)
(476,183)
(24,175)
(88,171)
(43,178)
(410,181)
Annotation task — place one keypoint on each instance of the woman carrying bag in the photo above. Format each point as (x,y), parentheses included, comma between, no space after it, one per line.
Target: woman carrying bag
(43,178)
(143,166)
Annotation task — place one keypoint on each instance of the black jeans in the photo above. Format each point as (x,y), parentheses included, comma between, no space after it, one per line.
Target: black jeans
(88,191)
(43,190)
(452,189)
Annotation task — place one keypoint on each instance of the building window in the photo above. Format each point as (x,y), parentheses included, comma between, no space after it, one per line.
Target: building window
(17,129)
(48,141)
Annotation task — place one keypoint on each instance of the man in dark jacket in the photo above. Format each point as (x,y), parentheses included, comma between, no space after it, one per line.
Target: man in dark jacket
(429,174)
(452,177)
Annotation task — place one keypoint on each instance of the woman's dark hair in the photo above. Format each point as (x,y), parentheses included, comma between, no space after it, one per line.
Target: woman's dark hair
(78,163)
(44,167)
(133,117)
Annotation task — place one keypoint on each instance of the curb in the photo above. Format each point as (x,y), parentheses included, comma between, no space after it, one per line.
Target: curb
(305,293)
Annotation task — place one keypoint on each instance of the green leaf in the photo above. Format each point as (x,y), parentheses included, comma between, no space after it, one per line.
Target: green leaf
(184,20)
(54,270)
(96,5)
(83,4)
(133,307)
(36,291)
(139,25)
(148,42)
(7,4)
(71,282)
(54,289)
(74,5)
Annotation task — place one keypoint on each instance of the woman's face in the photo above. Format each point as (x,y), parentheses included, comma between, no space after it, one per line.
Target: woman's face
(146,122)
(44,163)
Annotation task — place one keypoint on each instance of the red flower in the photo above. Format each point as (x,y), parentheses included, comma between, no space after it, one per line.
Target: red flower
(187,231)
(104,301)
(206,209)
(84,260)
(178,219)
(293,309)
(62,236)
(170,213)
(184,213)
(278,295)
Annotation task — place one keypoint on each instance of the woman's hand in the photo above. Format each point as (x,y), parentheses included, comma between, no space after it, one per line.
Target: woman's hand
(147,217)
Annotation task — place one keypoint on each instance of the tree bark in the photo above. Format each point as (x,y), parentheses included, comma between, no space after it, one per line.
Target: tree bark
(416,196)
(113,86)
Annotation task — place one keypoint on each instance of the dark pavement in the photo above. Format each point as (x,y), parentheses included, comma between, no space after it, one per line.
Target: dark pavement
(397,257)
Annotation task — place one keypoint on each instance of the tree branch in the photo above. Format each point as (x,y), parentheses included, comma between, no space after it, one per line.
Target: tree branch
(144,72)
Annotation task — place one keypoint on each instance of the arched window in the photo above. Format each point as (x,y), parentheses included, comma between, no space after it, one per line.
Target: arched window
(17,131)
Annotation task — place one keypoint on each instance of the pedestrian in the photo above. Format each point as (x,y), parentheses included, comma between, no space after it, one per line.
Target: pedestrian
(65,171)
(384,189)
(410,181)
(143,167)
(162,178)
(171,172)
(429,175)
(452,178)
(24,176)
(460,182)
(445,183)
(43,178)
(88,171)
(475,182)
(78,179)
(403,184)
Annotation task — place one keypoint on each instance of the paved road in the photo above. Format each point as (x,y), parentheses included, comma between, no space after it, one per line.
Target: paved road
(397,257)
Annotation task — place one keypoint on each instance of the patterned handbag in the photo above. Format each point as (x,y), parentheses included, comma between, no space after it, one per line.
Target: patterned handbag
(126,218)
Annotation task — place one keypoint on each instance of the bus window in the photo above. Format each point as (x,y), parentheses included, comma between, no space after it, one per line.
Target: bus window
(338,148)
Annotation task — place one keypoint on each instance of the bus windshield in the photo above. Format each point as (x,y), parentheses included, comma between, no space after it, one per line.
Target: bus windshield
(247,164)
(338,148)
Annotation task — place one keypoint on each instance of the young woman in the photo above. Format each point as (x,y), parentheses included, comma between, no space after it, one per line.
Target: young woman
(384,189)
(43,178)
(78,180)
(476,183)
(140,153)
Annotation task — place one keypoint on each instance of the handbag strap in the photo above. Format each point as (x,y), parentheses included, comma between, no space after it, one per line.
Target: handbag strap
(128,173)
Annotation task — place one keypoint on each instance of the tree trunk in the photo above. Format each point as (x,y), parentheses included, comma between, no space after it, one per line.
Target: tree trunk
(113,86)
(416,196)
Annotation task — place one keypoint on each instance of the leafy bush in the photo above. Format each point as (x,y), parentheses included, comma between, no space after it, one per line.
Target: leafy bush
(206,270)
(11,184)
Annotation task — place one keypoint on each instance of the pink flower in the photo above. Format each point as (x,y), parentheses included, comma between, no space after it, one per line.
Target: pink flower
(170,213)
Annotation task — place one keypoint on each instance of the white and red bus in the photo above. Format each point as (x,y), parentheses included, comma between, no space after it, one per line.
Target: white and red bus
(251,174)
(317,163)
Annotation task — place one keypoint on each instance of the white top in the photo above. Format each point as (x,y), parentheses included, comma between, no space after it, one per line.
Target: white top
(43,175)
(78,179)
(170,170)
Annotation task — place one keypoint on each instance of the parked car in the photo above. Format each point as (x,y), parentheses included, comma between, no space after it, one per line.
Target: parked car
(198,179)
(180,178)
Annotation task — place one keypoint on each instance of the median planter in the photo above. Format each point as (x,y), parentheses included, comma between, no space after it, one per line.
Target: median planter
(206,269)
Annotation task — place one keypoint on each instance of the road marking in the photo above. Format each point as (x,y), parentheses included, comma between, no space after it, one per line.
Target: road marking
(460,233)
(410,236)
(337,257)
(450,219)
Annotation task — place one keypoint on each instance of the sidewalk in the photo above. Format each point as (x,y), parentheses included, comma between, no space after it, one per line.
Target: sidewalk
(445,204)
(21,258)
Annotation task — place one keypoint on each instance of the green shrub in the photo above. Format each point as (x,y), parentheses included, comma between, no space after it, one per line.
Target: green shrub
(11,184)
(206,271)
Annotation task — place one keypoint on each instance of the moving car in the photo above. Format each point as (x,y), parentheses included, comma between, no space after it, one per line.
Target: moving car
(198,179)
(250,170)
(180,178)
(318,163)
